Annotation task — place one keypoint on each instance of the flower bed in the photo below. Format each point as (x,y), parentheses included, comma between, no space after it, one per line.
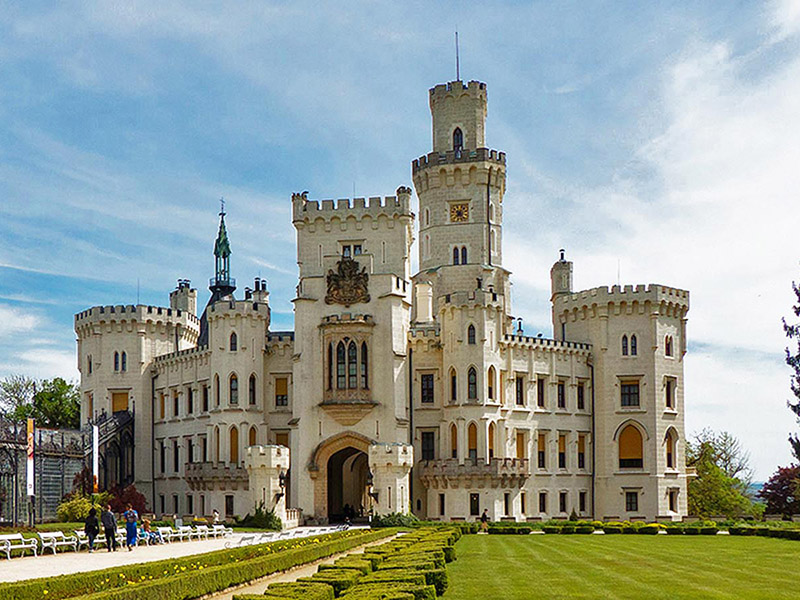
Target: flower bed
(411,567)
(190,576)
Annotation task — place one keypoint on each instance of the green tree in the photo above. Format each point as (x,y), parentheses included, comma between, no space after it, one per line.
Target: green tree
(52,402)
(720,464)
(16,396)
(793,360)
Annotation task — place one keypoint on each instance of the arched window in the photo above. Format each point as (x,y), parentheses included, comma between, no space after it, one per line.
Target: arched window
(472,384)
(471,334)
(455,255)
(116,361)
(633,345)
(124,361)
(216,388)
(491,378)
(453,385)
(463,255)
(491,440)
(671,442)
(251,390)
(668,345)
(624,345)
(364,366)
(630,448)
(352,366)
(472,441)
(251,438)
(234,446)
(341,379)
(458,140)
(233,389)
(234,342)
(453,441)
(427,217)
(330,366)
(216,444)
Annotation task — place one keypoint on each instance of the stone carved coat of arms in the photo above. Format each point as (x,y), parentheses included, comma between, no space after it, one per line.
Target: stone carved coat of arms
(347,285)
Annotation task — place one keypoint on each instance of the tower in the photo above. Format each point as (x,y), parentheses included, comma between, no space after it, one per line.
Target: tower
(222,284)
(560,285)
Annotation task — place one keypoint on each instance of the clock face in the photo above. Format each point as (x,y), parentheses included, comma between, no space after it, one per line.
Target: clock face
(459,213)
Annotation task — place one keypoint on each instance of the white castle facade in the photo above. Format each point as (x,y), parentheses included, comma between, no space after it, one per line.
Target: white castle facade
(397,392)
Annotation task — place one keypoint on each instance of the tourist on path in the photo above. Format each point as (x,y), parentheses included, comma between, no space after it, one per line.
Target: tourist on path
(485,520)
(110,528)
(91,527)
(131,519)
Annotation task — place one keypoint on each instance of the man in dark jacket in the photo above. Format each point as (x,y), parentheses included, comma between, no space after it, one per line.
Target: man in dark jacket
(91,527)
(110,527)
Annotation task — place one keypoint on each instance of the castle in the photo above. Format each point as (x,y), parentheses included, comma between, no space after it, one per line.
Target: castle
(396,392)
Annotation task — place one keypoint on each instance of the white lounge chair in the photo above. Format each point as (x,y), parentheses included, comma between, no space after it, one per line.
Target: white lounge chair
(15,541)
(57,539)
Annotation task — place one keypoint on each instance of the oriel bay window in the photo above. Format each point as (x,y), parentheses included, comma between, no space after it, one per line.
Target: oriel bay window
(347,365)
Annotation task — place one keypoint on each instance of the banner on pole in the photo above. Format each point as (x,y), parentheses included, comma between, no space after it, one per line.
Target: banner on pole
(31,486)
(95,457)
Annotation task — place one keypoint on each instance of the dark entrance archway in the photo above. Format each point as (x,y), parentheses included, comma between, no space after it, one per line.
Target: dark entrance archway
(347,484)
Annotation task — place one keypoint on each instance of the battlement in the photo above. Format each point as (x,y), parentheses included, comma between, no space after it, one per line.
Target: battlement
(347,318)
(188,352)
(225,308)
(280,336)
(654,293)
(423,331)
(138,312)
(524,340)
(304,209)
(450,157)
(452,89)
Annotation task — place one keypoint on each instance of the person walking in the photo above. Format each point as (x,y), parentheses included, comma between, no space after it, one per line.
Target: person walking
(485,520)
(110,528)
(131,520)
(91,527)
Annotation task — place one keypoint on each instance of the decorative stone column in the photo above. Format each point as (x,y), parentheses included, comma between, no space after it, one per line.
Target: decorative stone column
(390,465)
(265,465)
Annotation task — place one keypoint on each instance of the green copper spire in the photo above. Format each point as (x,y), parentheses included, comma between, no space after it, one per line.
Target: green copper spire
(222,253)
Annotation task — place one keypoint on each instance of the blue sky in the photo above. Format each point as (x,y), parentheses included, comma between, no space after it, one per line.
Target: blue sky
(657,141)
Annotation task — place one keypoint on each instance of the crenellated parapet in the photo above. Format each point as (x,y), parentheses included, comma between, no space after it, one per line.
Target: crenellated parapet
(128,315)
(451,157)
(523,341)
(226,309)
(308,211)
(665,300)
(454,89)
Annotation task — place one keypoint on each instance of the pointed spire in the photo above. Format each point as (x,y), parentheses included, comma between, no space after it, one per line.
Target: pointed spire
(222,247)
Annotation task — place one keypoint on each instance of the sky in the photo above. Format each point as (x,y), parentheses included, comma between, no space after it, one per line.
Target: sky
(655,142)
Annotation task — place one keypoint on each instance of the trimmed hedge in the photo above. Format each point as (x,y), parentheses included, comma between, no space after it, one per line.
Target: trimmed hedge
(173,582)
(292,591)
(338,579)
(377,591)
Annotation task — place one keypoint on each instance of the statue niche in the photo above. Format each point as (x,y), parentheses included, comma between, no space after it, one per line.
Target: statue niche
(347,285)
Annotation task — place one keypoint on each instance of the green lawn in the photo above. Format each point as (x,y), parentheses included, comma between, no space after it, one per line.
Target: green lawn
(623,566)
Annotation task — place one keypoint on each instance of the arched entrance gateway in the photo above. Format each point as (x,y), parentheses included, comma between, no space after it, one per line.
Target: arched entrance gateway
(347,485)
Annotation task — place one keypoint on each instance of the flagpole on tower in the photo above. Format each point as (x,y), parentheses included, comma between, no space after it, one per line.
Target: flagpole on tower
(458,66)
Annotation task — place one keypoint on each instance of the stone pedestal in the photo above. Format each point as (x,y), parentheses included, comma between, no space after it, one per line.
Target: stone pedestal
(390,465)
(264,465)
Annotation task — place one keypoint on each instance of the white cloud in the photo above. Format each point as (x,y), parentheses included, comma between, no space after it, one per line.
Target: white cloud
(43,362)
(785,18)
(14,321)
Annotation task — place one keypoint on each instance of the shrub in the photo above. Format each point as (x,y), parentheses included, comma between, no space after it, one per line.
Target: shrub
(74,509)
(651,529)
(395,520)
(263,519)
(294,590)
(338,579)
(551,529)
(674,531)
(568,529)
(121,497)
(371,591)
(709,530)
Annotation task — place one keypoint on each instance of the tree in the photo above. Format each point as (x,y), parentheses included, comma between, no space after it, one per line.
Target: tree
(782,491)
(720,464)
(793,360)
(16,396)
(53,402)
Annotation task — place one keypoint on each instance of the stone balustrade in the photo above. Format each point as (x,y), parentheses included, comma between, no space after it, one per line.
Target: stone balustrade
(497,472)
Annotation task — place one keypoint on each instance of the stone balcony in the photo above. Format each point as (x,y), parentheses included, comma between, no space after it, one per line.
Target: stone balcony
(219,476)
(497,472)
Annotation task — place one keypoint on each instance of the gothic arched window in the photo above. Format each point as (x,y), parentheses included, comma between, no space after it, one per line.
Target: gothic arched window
(251,390)
(234,342)
(463,255)
(453,441)
(364,366)
(471,334)
(252,437)
(330,366)
(352,366)
(491,382)
(124,361)
(458,140)
(341,380)
(453,385)
(116,361)
(624,345)
(667,346)
(633,345)
(472,384)
(455,255)
(233,389)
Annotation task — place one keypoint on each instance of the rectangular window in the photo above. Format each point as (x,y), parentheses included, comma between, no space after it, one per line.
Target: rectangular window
(520,390)
(189,452)
(523,503)
(582,502)
(202,504)
(205,398)
(357,250)
(175,505)
(673,500)
(541,451)
(631,501)
(427,388)
(427,445)
(189,504)
(581,451)
(669,393)
(542,502)
(453,386)
(162,502)
(441,505)
(521,445)
(229,505)
(175,404)
(474,505)
(629,394)
(189,402)
(282,438)
(540,400)
(282,391)
(205,452)
(562,502)
(562,395)
(581,396)
(562,451)
(163,408)
(506,504)
(346,251)
(163,453)
(176,459)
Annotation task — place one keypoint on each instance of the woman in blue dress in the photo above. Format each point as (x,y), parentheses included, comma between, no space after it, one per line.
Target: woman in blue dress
(131,518)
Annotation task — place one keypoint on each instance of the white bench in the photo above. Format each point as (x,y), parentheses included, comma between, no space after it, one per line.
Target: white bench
(167,533)
(186,532)
(57,539)
(15,541)
(203,531)
(245,540)
(83,539)
(222,530)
